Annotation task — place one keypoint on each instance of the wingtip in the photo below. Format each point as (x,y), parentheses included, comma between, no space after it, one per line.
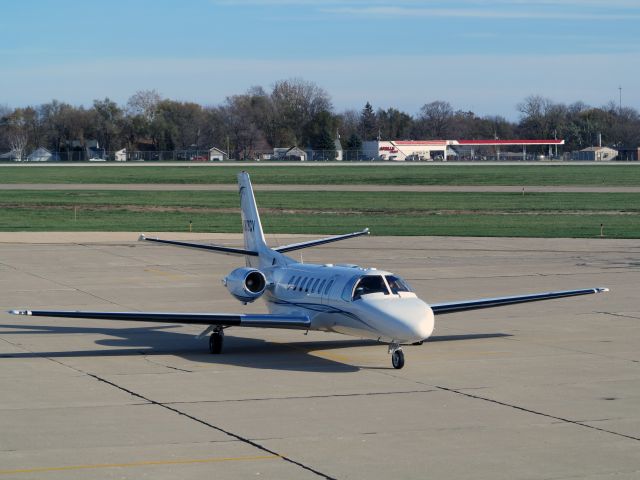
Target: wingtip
(601,289)
(20,312)
(142,237)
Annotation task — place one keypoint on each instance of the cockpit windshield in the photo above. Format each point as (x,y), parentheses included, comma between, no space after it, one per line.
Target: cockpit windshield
(397,284)
(370,284)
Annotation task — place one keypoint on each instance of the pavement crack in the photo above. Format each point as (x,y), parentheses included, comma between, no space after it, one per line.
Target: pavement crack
(535,412)
(305,397)
(214,427)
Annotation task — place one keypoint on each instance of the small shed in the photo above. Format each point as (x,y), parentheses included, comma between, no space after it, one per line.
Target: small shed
(595,154)
(292,153)
(217,155)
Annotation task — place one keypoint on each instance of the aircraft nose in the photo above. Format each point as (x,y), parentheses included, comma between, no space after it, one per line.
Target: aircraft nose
(409,319)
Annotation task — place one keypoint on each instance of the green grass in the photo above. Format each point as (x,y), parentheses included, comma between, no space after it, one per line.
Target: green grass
(386,213)
(362,174)
(326,201)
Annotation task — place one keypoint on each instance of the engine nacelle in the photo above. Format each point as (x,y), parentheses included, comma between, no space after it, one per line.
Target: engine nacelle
(246,284)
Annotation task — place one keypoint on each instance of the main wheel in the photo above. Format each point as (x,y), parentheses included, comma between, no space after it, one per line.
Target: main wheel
(215,342)
(397,359)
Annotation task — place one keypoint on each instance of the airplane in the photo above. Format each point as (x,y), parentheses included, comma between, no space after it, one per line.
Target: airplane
(342,298)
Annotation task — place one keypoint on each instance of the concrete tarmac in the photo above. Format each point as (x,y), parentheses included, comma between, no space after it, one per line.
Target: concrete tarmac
(546,390)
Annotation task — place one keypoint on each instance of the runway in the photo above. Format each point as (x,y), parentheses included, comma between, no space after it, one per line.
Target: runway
(540,391)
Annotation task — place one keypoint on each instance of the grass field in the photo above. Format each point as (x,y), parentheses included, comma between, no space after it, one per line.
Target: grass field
(386,213)
(362,174)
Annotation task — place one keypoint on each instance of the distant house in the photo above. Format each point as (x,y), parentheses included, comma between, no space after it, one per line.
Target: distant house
(12,155)
(40,154)
(595,154)
(217,155)
(292,153)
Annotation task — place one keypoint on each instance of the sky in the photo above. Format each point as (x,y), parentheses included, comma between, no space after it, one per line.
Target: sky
(484,56)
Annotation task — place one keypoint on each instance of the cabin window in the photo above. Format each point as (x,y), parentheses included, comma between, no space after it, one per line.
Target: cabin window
(329,285)
(370,284)
(321,286)
(315,284)
(301,287)
(291,284)
(306,287)
(397,284)
(295,285)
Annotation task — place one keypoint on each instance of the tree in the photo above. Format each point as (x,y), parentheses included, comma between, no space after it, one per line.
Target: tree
(321,136)
(435,119)
(108,122)
(295,104)
(394,124)
(145,103)
(368,123)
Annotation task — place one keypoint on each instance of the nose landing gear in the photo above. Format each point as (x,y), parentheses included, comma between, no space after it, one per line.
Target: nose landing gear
(397,356)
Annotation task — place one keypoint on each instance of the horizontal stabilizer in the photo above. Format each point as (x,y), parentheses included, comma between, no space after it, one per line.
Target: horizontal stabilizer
(321,241)
(453,307)
(214,248)
(297,322)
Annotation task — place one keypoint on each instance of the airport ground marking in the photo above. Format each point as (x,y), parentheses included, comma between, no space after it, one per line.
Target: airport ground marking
(140,464)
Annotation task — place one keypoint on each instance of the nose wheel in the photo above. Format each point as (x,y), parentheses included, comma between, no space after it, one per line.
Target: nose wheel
(216,340)
(397,356)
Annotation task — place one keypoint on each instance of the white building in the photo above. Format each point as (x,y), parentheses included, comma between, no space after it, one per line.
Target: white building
(405,150)
(40,154)
(421,150)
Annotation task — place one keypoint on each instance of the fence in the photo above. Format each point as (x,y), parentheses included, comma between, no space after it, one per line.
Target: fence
(306,156)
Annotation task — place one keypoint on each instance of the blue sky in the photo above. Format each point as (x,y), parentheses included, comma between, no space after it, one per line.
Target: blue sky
(480,55)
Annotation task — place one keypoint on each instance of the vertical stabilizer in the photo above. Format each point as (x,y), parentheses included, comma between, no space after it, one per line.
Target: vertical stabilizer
(251,225)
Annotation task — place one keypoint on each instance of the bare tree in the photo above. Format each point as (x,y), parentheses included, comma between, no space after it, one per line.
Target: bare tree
(145,103)
(435,119)
(18,142)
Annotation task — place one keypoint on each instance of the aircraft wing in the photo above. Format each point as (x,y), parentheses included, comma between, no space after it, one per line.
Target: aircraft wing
(296,322)
(452,307)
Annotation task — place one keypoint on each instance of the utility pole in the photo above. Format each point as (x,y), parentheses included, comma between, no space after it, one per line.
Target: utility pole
(620,89)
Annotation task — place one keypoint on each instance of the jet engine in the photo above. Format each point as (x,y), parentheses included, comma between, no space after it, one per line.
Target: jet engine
(246,284)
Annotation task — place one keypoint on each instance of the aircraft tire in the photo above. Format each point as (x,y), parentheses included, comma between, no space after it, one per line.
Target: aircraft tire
(216,340)
(397,359)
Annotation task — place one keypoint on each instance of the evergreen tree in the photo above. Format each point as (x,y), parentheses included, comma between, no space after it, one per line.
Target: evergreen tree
(368,123)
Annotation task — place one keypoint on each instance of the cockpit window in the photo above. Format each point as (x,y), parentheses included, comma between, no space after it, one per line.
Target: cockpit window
(397,284)
(370,284)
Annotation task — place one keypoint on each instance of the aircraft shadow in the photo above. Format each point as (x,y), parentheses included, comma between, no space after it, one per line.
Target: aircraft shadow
(238,351)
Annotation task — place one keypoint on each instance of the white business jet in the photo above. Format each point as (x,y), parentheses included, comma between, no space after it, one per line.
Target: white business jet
(347,299)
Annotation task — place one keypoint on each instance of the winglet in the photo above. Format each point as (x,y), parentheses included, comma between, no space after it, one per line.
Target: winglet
(19,312)
(142,238)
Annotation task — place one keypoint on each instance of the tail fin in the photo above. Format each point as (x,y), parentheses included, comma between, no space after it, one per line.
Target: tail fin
(251,225)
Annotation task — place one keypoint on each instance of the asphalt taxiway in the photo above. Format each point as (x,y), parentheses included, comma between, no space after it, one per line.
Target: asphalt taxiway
(544,390)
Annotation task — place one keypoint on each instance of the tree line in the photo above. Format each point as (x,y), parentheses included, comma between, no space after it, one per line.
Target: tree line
(296,112)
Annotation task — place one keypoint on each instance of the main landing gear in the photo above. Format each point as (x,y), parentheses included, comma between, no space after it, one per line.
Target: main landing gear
(216,340)
(397,356)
